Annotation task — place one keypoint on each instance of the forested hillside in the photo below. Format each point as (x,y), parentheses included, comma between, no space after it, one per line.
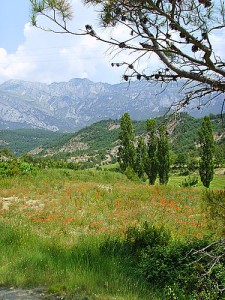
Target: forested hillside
(98,143)
(23,140)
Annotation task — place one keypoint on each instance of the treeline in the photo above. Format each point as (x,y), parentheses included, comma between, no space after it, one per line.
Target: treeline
(151,159)
(150,156)
(27,164)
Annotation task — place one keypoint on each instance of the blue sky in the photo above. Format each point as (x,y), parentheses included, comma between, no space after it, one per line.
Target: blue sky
(28,53)
(13,15)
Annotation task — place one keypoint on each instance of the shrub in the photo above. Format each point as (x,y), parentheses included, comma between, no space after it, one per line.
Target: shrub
(189,181)
(177,269)
(137,239)
(213,203)
(181,270)
(15,167)
(129,172)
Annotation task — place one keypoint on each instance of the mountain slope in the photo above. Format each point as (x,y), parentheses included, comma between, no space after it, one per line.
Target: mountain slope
(99,142)
(69,106)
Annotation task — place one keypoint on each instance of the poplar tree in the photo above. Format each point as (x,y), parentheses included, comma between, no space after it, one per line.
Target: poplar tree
(141,156)
(207,148)
(151,163)
(163,155)
(126,152)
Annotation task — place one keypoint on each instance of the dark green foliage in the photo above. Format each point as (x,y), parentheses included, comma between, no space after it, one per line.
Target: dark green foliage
(214,206)
(23,140)
(183,268)
(163,155)
(184,135)
(130,173)
(190,181)
(151,163)
(207,148)
(5,152)
(137,239)
(99,138)
(141,157)
(192,162)
(219,155)
(146,236)
(180,270)
(15,167)
(126,152)
(181,162)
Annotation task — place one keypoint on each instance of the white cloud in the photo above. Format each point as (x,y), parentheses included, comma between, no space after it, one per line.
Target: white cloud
(48,57)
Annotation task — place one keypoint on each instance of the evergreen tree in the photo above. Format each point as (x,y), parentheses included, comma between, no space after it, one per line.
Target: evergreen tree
(151,163)
(207,148)
(141,156)
(163,155)
(126,152)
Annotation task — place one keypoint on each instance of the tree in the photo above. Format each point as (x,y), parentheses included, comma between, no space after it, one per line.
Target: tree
(141,156)
(163,155)
(219,156)
(207,147)
(151,164)
(126,152)
(181,162)
(179,32)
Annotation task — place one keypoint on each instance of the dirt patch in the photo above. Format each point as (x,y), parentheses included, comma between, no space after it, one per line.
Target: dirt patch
(21,294)
(220,171)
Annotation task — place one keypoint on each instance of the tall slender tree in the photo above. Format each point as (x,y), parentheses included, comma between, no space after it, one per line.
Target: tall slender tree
(126,152)
(207,148)
(141,156)
(151,163)
(163,155)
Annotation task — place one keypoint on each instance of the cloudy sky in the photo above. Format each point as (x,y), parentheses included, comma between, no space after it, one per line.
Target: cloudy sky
(29,53)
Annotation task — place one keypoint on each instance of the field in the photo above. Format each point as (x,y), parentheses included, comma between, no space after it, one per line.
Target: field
(54,224)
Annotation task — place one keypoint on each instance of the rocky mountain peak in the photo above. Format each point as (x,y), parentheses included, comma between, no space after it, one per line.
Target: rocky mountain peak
(69,106)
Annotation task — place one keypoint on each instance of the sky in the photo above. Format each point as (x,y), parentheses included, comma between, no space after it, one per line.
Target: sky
(28,53)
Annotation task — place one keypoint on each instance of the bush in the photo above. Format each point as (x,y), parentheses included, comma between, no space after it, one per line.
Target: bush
(15,167)
(189,181)
(136,239)
(175,268)
(129,172)
(180,270)
(213,203)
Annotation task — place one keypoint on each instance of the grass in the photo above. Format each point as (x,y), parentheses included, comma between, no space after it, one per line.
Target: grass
(52,226)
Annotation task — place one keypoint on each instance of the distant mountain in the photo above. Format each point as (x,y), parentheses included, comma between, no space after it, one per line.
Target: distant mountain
(69,106)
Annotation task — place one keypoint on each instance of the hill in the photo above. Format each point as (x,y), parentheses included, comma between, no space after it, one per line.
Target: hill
(24,140)
(98,143)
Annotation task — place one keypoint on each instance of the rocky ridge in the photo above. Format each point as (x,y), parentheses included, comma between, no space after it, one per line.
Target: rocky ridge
(69,106)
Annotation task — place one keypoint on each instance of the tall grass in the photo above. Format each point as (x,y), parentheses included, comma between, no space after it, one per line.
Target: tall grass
(53,225)
(28,260)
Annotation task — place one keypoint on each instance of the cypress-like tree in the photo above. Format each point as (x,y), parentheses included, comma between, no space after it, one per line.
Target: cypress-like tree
(207,148)
(163,155)
(141,156)
(151,163)
(126,152)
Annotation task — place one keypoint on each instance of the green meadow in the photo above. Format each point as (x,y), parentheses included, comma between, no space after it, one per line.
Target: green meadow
(84,234)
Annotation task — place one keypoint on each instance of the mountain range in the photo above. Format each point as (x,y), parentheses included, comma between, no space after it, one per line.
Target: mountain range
(70,106)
